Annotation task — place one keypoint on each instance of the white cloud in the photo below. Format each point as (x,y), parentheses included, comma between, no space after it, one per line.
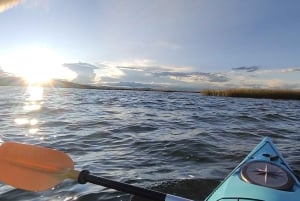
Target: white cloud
(108,72)
(290,70)
(85,72)
(145,65)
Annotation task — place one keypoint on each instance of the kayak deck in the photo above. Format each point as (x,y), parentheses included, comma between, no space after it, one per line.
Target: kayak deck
(262,176)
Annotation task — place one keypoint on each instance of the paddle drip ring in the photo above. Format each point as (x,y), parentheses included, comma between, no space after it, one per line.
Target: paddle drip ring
(267,174)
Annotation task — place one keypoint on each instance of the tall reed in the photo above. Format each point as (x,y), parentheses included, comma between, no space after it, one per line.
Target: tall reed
(254,93)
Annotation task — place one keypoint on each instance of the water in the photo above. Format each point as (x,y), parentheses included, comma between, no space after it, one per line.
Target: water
(179,143)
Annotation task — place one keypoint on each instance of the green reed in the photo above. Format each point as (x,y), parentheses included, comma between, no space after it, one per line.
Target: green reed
(254,93)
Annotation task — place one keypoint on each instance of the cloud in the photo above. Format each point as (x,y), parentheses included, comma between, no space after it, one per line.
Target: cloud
(147,73)
(281,84)
(194,76)
(248,69)
(7,4)
(137,85)
(286,78)
(146,65)
(94,73)
(110,72)
(142,70)
(290,70)
(85,72)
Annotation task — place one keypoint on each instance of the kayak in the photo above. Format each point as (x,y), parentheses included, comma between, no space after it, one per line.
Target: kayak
(263,175)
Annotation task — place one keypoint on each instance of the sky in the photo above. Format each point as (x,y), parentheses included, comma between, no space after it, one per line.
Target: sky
(174,44)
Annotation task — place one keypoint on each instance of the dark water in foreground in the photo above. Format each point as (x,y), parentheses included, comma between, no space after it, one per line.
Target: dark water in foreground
(179,143)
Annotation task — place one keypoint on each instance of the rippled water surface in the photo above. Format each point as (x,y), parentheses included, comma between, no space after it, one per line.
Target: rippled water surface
(179,143)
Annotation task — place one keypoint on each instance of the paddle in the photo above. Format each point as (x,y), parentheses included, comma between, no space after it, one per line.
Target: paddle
(36,168)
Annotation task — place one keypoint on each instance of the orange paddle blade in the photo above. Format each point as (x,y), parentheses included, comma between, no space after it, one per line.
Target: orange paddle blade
(33,168)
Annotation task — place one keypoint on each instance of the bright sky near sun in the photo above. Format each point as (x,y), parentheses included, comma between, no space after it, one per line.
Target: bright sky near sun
(191,44)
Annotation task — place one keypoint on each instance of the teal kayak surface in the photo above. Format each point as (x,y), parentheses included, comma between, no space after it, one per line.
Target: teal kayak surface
(262,176)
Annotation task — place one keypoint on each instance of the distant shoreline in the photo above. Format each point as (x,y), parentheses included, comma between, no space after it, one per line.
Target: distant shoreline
(13,81)
(284,94)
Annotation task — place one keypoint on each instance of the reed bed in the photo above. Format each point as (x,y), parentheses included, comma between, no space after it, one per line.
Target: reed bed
(254,93)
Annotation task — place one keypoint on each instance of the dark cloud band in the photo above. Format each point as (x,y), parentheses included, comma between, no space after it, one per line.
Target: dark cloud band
(246,68)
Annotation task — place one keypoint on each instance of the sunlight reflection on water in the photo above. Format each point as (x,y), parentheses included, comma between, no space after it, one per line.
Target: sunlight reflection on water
(33,101)
(35,93)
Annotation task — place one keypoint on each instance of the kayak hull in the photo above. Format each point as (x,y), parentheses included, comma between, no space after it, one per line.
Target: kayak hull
(262,175)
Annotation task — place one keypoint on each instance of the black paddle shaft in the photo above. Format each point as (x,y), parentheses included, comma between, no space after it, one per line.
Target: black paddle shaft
(85,176)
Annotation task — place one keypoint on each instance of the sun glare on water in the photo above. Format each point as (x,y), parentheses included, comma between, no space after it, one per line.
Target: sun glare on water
(36,65)
(34,99)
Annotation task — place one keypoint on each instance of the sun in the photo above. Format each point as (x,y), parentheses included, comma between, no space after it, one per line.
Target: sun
(36,65)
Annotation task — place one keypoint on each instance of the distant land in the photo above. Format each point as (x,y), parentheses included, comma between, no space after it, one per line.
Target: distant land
(11,81)
(16,81)
(240,93)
